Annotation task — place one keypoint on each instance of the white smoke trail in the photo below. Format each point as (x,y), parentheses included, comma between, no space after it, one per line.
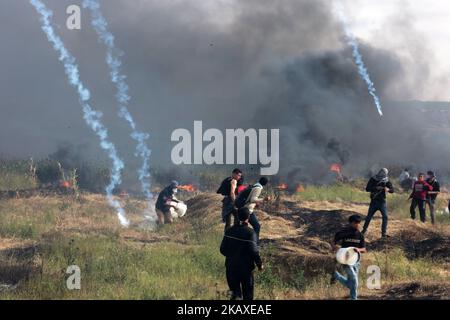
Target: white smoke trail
(357,55)
(92,117)
(113,61)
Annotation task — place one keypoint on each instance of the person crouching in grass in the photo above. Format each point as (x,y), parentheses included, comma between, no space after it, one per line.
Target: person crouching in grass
(350,236)
(239,246)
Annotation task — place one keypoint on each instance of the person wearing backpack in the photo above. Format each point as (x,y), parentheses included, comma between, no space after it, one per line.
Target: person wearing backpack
(228,188)
(249,198)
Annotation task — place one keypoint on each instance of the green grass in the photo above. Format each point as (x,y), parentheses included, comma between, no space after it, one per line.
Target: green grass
(334,193)
(15,175)
(395,266)
(189,268)
(399,204)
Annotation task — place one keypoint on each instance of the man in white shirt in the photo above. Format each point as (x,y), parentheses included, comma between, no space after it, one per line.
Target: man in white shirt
(404,175)
(253,200)
(405,180)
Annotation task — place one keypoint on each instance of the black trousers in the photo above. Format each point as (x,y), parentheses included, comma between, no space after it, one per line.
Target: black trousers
(241,284)
(421,204)
(228,212)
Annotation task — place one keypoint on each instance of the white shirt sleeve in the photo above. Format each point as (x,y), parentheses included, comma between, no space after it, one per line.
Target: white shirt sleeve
(254,195)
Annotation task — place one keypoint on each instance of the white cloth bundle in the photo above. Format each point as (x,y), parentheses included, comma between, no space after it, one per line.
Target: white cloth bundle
(348,256)
(178,210)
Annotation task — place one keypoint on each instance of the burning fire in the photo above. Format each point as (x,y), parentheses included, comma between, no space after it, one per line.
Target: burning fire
(65,184)
(335,167)
(282,186)
(187,187)
(299,188)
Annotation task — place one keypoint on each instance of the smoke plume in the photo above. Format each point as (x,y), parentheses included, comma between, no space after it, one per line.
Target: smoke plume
(113,60)
(250,64)
(92,117)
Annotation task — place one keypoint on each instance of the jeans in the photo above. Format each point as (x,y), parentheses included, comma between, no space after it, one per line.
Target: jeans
(241,284)
(253,220)
(228,211)
(421,203)
(431,203)
(374,207)
(351,281)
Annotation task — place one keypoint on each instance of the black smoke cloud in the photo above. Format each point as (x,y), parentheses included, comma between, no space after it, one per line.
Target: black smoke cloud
(275,64)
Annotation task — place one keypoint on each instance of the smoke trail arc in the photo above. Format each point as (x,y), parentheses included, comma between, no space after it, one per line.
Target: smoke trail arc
(91,116)
(114,63)
(362,70)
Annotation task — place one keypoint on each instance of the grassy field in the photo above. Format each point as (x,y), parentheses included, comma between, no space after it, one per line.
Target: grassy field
(15,175)
(398,203)
(40,237)
(334,192)
(111,267)
(179,261)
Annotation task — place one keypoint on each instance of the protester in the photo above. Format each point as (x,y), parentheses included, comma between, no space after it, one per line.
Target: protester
(432,195)
(350,236)
(419,197)
(163,206)
(228,188)
(378,186)
(249,198)
(404,175)
(240,185)
(239,246)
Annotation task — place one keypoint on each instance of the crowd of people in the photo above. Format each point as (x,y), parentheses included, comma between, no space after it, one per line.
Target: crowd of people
(424,191)
(240,244)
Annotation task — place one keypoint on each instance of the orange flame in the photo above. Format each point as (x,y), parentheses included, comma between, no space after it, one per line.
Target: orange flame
(65,184)
(300,188)
(187,187)
(282,186)
(335,167)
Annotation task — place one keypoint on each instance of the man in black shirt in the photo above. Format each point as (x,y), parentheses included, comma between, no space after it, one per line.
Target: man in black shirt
(350,237)
(378,186)
(242,254)
(432,195)
(228,189)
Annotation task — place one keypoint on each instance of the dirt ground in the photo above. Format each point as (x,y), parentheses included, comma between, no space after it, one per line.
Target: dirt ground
(296,234)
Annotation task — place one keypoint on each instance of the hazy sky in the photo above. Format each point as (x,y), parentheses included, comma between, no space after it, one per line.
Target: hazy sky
(202,59)
(428,18)
(372,21)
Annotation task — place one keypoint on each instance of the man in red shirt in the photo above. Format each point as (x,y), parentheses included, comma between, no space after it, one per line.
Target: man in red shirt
(419,197)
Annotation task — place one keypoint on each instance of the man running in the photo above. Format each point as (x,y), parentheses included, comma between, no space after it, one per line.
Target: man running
(228,188)
(350,236)
(378,186)
(253,200)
